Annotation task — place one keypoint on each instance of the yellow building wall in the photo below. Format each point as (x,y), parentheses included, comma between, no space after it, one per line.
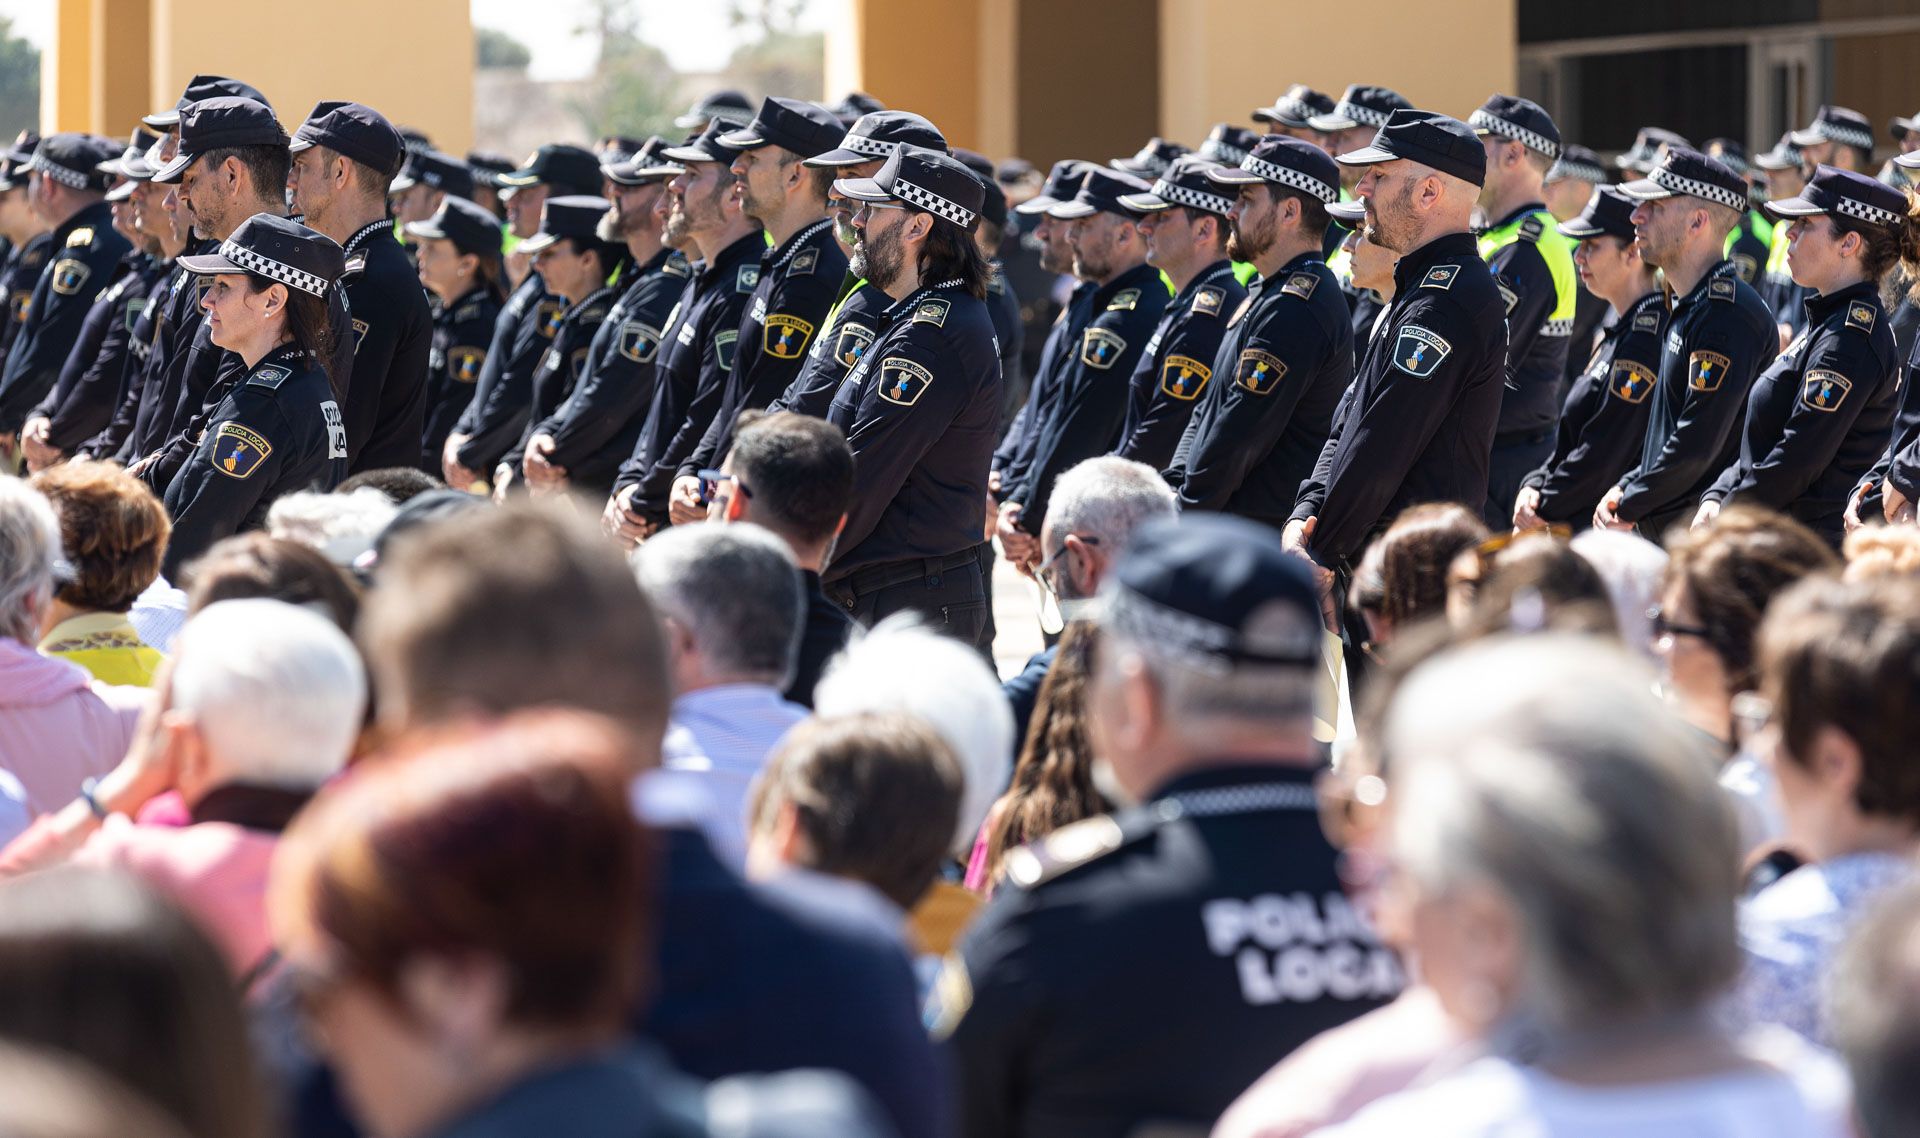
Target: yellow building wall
(114,60)
(1219,59)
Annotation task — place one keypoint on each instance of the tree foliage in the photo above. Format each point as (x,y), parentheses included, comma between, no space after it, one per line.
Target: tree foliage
(19,83)
(493,48)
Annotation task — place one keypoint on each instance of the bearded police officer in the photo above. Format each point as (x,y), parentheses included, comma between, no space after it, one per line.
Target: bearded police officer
(1533,266)
(1605,415)
(1185,229)
(1288,354)
(1719,336)
(1135,972)
(1084,416)
(922,406)
(83,255)
(800,273)
(1417,424)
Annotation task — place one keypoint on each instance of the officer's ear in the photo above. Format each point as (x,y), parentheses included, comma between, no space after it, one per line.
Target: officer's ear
(918,226)
(273,299)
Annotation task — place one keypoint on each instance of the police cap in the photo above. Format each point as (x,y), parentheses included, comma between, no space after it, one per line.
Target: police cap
(1102,192)
(993,207)
(708,147)
(218,124)
(1184,183)
(470,227)
(204,87)
(1784,155)
(647,164)
(1063,181)
(1683,170)
(1361,106)
(856,104)
(1577,163)
(1608,213)
(934,182)
(1429,138)
(569,169)
(443,172)
(1152,159)
(1284,161)
(278,248)
(488,168)
(729,107)
(1227,144)
(877,135)
(794,125)
(576,216)
(352,130)
(73,159)
(1836,124)
(1857,196)
(1517,120)
(1297,108)
(1217,590)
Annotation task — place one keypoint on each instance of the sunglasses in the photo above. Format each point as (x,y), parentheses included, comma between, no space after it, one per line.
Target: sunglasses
(710,481)
(1665,627)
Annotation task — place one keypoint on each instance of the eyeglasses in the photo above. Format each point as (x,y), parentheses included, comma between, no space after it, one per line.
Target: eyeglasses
(1664,627)
(710,481)
(865,208)
(1044,573)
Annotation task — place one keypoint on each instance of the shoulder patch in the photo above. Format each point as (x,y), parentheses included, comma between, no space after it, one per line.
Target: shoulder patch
(1208,301)
(70,275)
(1631,381)
(803,263)
(1300,285)
(933,311)
(1648,321)
(723,345)
(1720,288)
(1748,269)
(464,364)
(238,451)
(1824,390)
(80,237)
(1067,848)
(1184,378)
(902,381)
(1100,347)
(1259,372)
(355,263)
(548,319)
(1440,276)
(269,377)
(1124,301)
(1418,351)
(785,336)
(851,343)
(676,266)
(638,342)
(1860,315)
(1707,370)
(747,279)
(1530,229)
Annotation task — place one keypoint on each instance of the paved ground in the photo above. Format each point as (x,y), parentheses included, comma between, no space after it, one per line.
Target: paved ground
(1016,603)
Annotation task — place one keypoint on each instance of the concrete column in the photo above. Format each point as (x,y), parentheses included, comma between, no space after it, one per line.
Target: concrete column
(66,89)
(117,62)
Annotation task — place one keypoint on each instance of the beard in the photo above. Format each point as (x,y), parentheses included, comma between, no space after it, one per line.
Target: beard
(679,228)
(1245,244)
(878,259)
(1393,228)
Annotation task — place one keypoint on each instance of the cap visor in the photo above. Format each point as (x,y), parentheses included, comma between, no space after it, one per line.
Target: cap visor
(1899,128)
(209,263)
(838,158)
(162,120)
(1907,161)
(1233,176)
(1031,206)
(425,230)
(1329,122)
(1769,162)
(402,184)
(861,190)
(1144,203)
(1347,212)
(536,243)
(1578,228)
(1808,137)
(1129,166)
(1367,156)
(122,192)
(1793,207)
(741,140)
(687,154)
(1645,190)
(689,120)
(1266,114)
(170,173)
(1067,211)
(297,144)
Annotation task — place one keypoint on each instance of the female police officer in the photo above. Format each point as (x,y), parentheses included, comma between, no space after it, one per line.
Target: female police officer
(1819,417)
(277,428)
(459,262)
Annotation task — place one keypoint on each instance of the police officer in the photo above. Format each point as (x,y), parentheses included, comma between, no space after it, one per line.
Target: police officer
(1748,243)
(1417,423)
(728,107)
(1288,352)
(1351,123)
(497,414)
(27,235)
(582,444)
(1002,302)
(1605,415)
(488,168)
(1152,159)
(1719,336)
(922,406)
(574,263)
(700,340)
(84,253)
(800,273)
(849,327)
(1132,974)
(1184,225)
(1229,145)
(83,399)
(1291,115)
(459,262)
(280,428)
(1533,265)
(345,157)
(1780,169)
(1093,389)
(1819,417)
(1571,180)
(1648,144)
(1893,485)
(428,178)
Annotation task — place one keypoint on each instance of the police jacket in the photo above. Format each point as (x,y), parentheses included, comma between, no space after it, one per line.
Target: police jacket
(1091,389)
(849,333)
(1719,336)
(85,253)
(1147,967)
(462,332)
(1015,452)
(276,431)
(798,283)
(145,411)
(695,359)
(1604,421)
(498,411)
(1286,362)
(1778,290)
(1417,424)
(1176,366)
(920,410)
(1820,416)
(1009,330)
(386,404)
(84,398)
(593,431)
(18,277)
(1533,266)
(567,359)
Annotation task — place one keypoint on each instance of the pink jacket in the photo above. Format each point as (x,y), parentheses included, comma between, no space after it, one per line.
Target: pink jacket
(215,871)
(57,726)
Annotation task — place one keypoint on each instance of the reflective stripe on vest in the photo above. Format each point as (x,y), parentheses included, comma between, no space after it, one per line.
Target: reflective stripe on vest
(1556,250)
(1777,256)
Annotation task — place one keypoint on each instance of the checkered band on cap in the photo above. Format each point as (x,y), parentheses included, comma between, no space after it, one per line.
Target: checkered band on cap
(1862,211)
(1297,109)
(873,147)
(1153,163)
(931,202)
(1288,176)
(1533,140)
(1354,112)
(60,174)
(1843,134)
(1222,152)
(272,269)
(1719,195)
(1584,171)
(1181,195)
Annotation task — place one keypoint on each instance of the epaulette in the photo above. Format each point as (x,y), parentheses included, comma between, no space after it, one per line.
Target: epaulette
(1440,276)
(747,279)
(1721,288)
(1073,846)
(469,310)
(1648,321)
(357,263)
(1208,301)
(80,237)
(1530,229)
(803,263)
(1300,285)
(932,311)
(269,377)
(676,266)
(1124,301)
(595,315)
(1860,315)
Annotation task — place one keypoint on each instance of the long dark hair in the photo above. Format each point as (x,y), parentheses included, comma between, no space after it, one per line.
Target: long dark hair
(308,322)
(1053,781)
(950,253)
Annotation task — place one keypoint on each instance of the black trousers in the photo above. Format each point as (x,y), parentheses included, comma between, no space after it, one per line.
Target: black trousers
(949,593)
(1512,459)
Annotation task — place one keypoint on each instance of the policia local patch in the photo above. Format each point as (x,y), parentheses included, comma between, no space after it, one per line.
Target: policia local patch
(238,451)
(1418,352)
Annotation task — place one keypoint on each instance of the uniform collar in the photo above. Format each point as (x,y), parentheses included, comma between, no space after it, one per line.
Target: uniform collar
(1135,277)
(747,248)
(1446,247)
(1299,262)
(1213,775)
(287,354)
(906,304)
(95,214)
(1209,275)
(479,288)
(596,294)
(1724,268)
(1820,307)
(1518,213)
(364,234)
(1654,299)
(776,258)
